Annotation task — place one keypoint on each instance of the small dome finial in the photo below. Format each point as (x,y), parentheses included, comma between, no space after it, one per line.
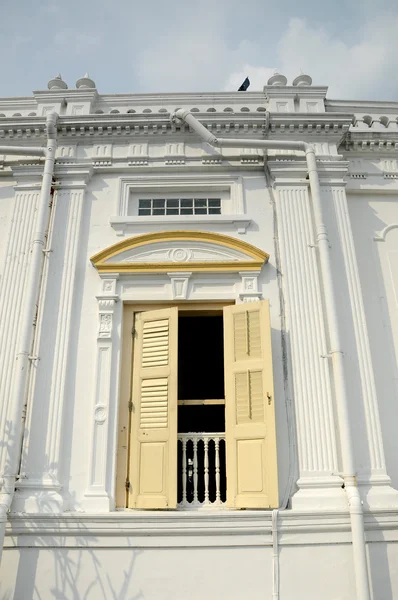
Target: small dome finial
(56,83)
(302,80)
(85,83)
(277,79)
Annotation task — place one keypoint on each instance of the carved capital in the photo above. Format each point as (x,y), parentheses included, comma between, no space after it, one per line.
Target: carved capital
(249,287)
(106,304)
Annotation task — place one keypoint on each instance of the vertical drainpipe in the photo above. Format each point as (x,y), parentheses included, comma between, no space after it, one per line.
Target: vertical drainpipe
(29,311)
(349,475)
(275,555)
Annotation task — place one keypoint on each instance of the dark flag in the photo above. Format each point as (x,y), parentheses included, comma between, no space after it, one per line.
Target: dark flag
(244,85)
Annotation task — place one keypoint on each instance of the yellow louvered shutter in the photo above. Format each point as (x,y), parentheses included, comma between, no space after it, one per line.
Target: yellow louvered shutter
(153,454)
(252,479)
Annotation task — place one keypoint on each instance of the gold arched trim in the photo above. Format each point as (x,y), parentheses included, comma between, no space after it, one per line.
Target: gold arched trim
(102,261)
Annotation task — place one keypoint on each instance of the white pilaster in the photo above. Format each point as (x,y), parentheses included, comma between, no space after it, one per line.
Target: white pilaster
(374,481)
(318,483)
(97,497)
(40,487)
(13,281)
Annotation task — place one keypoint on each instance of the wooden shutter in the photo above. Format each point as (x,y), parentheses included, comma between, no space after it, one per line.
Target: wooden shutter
(252,480)
(153,455)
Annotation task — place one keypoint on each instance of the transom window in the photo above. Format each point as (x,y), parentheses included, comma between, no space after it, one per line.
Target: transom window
(179,206)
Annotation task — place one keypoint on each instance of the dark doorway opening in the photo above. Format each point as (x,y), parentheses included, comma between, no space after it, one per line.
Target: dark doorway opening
(201,410)
(200,357)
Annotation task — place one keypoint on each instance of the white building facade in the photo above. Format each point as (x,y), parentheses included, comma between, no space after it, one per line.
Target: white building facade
(138,473)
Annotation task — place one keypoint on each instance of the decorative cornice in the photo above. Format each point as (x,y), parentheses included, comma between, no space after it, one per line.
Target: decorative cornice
(362,106)
(294,170)
(66,175)
(117,126)
(372,140)
(309,125)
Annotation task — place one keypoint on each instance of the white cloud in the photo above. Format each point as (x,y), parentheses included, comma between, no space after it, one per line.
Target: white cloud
(198,57)
(365,69)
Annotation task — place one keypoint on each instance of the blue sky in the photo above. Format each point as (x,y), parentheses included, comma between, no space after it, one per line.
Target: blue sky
(206,45)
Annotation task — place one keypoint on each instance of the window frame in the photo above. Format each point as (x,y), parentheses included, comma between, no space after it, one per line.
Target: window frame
(254,435)
(124,417)
(181,206)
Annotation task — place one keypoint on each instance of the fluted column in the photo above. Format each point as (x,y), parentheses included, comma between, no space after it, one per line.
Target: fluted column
(12,288)
(40,488)
(373,478)
(319,484)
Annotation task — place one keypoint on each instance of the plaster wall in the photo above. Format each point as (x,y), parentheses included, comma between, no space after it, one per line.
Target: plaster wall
(64,541)
(177,573)
(70,465)
(171,574)
(372,215)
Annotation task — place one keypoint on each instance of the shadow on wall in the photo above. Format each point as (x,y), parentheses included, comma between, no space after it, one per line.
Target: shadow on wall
(70,575)
(376,278)
(380,565)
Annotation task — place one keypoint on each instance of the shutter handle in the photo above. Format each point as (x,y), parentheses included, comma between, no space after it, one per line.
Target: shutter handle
(269,398)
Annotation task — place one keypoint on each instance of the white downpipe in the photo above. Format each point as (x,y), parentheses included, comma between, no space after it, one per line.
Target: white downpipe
(275,555)
(31,296)
(336,352)
(23,150)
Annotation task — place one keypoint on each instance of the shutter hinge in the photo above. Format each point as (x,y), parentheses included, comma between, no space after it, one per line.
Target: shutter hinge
(127,485)
(133,330)
(130,405)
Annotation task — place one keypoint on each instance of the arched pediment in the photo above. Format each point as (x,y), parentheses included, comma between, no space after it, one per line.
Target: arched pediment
(164,251)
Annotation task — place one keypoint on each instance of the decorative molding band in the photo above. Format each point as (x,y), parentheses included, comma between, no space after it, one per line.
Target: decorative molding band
(377,141)
(190,529)
(252,123)
(288,170)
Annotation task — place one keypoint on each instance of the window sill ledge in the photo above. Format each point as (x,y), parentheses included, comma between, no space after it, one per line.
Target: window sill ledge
(191,529)
(124,225)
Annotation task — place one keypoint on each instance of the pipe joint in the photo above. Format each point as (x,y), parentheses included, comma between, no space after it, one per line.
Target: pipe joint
(51,125)
(355,503)
(185,116)
(336,351)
